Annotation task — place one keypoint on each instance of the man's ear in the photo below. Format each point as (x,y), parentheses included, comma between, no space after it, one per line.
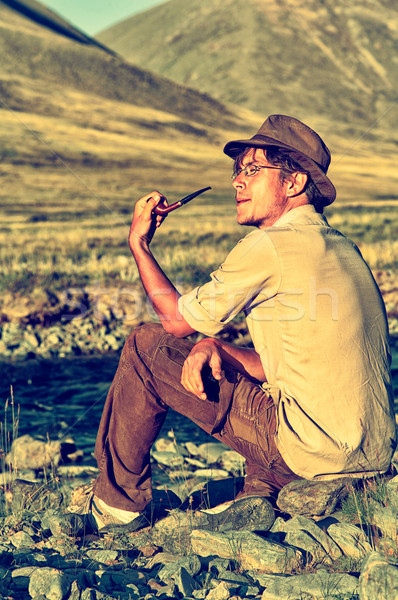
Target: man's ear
(296,184)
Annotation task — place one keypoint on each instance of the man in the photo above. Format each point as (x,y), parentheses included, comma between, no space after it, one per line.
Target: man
(313,399)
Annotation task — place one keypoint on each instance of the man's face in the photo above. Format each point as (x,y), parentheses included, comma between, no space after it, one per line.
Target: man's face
(261,198)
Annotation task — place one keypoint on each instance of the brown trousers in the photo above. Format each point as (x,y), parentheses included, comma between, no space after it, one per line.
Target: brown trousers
(237,412)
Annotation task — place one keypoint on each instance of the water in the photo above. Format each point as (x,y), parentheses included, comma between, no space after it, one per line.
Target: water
(65,398)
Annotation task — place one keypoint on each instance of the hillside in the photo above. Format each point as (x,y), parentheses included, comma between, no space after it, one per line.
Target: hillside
(32,52)
(335,58)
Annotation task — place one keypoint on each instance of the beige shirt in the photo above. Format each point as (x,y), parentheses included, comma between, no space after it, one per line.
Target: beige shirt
(318,322)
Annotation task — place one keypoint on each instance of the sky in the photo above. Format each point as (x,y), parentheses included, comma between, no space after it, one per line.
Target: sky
(92,16)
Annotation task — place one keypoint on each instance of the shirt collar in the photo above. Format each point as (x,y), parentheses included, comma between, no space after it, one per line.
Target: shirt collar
(306,212)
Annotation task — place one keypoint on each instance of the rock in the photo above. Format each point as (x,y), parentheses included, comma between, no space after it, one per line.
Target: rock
(314,540)
(386,519)
(22,494)
(50,583)
(378,579)
(320,585)
(30,453)
(185,583)
(312,498)
(232,461)
(211,451)
(248,549)
(170,459)
(222,591)
(169,445)
(63,523)
(352,540)
(103,556)
(392,491)
(211,473)
(191,564)
(21,539)
(173,533)
(20,577)
(192,448)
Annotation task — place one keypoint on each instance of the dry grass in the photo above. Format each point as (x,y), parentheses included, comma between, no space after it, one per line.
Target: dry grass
(69,184)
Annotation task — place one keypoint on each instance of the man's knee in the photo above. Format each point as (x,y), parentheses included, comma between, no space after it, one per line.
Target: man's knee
(145,336)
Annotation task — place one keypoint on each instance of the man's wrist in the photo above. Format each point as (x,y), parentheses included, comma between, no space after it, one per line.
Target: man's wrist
(138,242)
(214,341)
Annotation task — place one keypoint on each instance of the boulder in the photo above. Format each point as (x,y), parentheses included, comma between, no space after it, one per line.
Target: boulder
(248,549)
(378,579)
(312,498)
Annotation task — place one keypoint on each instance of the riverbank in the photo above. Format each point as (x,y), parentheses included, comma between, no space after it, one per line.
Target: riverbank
(332,540)
(96,320)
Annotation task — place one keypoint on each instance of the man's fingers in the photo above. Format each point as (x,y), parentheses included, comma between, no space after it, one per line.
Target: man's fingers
(215,365)
(191,378)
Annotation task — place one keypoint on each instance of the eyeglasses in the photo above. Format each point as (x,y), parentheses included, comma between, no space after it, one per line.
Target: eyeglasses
(251,170)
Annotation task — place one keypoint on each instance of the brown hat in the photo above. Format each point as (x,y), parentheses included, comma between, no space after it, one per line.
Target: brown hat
(303,144)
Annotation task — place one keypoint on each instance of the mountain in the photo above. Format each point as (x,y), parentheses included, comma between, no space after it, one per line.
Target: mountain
(29,50)
(332,58)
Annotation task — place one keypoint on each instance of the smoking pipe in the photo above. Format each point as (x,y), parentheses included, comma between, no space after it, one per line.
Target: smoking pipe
(164,210)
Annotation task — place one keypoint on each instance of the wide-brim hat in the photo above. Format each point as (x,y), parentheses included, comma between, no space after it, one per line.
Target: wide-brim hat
(304,145)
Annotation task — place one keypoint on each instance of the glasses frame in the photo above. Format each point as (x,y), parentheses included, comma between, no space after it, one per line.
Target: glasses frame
(252,166)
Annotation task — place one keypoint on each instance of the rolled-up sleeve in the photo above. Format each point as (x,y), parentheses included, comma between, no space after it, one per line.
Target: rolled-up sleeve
(251,270)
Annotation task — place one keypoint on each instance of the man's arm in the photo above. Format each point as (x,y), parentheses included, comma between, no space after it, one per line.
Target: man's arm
(159,289)
(164,298)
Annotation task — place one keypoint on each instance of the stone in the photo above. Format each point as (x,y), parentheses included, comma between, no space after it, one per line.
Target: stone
(378,579)
(211,451)
(63,523)
(169,445)
(30,453)
(320,585)
(21,539)
(192,448)
(53,584)
(312,498)
(211,473)
(22,494)
(169,459)
(248,549)
(103,556)
(392,491)
(312,549)
(316,541)
(20,577)
(173,533)
(232,462)
(352,540)
(185,583)
(386,519)
(222,591)
(191,564)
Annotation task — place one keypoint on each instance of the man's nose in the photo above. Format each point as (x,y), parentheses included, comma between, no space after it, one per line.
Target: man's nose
(238,182)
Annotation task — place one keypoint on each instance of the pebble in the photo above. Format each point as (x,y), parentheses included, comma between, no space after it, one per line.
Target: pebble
(45,554)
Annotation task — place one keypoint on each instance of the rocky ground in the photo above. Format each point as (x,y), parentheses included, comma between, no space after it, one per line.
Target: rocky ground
(95,320)
(329,540)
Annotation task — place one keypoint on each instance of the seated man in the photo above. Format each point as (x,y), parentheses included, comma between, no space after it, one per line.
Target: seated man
(313,399)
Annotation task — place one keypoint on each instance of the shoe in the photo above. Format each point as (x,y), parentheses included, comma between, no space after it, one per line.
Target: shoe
(100,515)
(253,513)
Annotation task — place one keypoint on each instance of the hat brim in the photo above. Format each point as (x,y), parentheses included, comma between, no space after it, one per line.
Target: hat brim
(321,181)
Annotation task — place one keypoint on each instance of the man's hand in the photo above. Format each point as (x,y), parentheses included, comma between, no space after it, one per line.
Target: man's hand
(145,221)
(205,352)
